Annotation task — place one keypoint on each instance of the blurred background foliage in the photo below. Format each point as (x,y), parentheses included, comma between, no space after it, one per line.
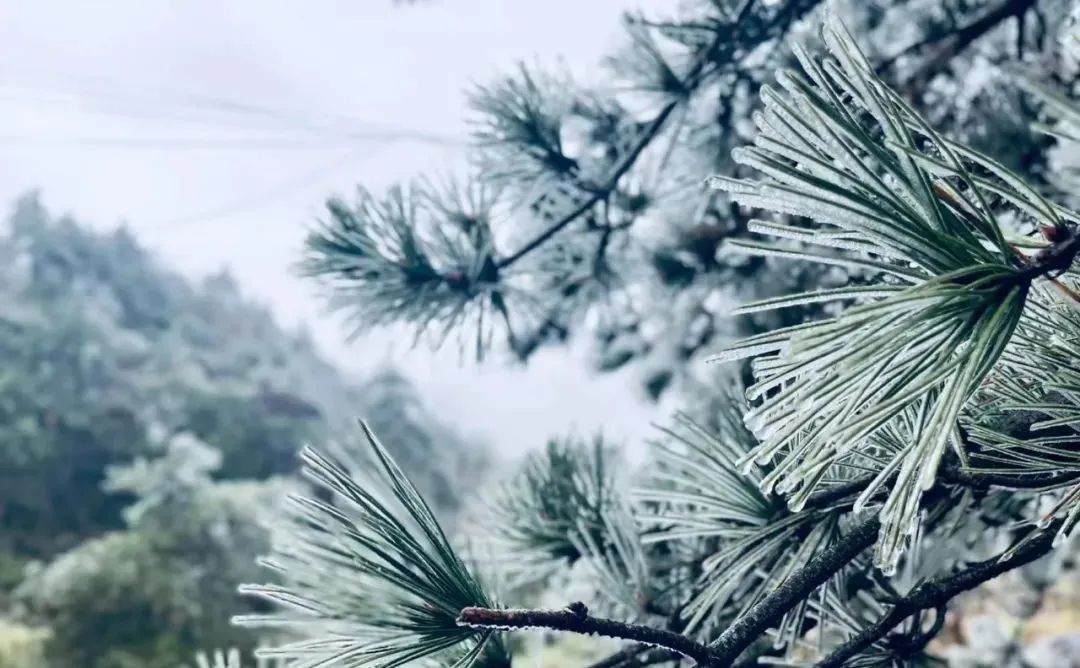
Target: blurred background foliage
(146,426)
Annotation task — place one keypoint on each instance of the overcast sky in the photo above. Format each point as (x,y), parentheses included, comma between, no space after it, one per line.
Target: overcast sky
(215,130)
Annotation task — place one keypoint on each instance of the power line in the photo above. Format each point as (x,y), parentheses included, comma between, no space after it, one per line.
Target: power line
(316,133)
(228,143)
(254,200)
(189,107)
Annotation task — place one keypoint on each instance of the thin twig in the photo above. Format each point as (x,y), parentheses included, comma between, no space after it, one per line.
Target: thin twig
(704,65)
(1055,259)
(980,479)
(954,475)
(841,492)
(576,619)
(599,194)
(938,591)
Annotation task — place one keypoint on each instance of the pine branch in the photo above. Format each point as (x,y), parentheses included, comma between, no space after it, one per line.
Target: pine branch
(961,38)
(576,619)
(1055,259)
(737,638)
(599,194)
(366,536)
(917,352)
(654,127)
(937,592)
(705,64)
(1035,480)
(547,515)
(727,648)
(794,589)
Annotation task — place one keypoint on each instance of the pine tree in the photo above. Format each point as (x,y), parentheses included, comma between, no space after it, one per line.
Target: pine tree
(585,213)
(915,440)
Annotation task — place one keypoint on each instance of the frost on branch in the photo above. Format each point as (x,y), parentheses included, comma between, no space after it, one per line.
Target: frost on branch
(888,379)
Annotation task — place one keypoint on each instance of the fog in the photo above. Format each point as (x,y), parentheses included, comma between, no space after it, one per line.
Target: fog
(215,130)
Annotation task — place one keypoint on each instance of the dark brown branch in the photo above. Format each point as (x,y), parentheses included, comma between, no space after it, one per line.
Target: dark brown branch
(952,474)
(1055,259)
(599,194)
(955,474)
(958,39)
(735,640)
(703,65)
(576,619)
(794,589)
(935,593)
(840,492)
(983,479)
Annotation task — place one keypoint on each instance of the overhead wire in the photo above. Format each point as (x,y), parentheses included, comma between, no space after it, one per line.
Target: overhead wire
(221,143)
(262,197)
(325,132)
(113,100)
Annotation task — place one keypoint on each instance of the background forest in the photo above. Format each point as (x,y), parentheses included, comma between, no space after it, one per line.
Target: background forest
(146,425)
(149,423)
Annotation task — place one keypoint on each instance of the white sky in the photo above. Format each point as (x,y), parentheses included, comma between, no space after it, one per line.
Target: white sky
(167,76)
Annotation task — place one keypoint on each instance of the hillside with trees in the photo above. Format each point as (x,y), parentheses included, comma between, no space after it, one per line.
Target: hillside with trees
(147,425)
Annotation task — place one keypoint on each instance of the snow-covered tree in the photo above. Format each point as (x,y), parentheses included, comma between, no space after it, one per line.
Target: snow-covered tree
(915,438)
(585,212)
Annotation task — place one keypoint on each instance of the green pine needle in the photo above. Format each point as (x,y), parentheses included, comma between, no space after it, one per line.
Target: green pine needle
(369,578)
(537,521)
(418,256)
(747,542)
(921,213)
